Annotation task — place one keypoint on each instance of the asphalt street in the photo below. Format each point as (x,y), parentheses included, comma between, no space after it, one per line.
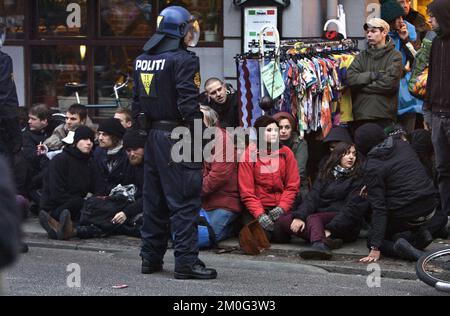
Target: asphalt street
(55,271)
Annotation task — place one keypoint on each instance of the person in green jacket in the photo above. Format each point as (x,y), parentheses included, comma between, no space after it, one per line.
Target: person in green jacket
(374,78)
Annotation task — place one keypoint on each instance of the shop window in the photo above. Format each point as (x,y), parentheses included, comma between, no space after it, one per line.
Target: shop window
(113,64)
(12,15)
(51,68)
(61,18)
(209,13)
(126,18)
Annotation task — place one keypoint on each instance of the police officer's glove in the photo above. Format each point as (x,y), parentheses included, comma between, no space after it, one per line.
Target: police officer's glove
(266,223)
(275,213)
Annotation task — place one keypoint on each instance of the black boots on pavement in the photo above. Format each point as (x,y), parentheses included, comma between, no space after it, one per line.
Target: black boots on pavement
(197,271)
(318,251)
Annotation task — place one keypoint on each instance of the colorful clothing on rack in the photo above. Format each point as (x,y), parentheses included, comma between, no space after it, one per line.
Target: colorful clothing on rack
(249,91)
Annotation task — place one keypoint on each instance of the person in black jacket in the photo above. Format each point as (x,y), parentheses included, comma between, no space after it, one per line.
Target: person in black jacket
(127,221)
(401,195)
(334,208)
(10,137)
(222,98)
(110,156)
(71,175)
(437,100)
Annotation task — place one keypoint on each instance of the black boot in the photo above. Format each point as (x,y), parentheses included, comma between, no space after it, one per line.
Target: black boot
(318,251)
(149,267)
(422,239)
(197,271)
(406,251)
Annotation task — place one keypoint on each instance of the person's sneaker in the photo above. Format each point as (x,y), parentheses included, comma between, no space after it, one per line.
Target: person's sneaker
(149,268)
(50,225)
(406,251)
(334,243)
(422,239)
(318,251)
(197,271)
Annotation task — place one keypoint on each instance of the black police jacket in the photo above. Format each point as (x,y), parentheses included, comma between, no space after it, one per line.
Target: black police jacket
(166,86)
(8,94)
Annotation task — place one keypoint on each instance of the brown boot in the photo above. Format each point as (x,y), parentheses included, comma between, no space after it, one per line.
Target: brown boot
(50,225)
(66,230)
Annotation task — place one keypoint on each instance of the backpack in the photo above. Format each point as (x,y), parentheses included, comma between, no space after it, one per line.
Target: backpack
(100,210)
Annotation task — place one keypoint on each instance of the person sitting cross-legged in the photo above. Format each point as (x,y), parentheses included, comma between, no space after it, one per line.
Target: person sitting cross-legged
(334,210)
(71,175)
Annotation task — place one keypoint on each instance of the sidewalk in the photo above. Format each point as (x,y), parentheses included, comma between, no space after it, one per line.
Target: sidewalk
(344,261)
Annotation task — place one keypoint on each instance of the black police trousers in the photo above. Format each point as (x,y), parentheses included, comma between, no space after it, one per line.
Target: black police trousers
(171,203)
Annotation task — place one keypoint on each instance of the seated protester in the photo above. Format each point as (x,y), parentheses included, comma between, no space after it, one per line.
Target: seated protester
(222,98)
(336,135)
(125,117)
(220,191)
(401,195)
(268,180)
(110,156)
(420,141)
(71,175)
(40,127)
(127,221)
(76,115)
(290,138)
(334,210)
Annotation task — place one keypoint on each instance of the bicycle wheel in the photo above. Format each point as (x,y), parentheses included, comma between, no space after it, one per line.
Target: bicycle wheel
(433,268)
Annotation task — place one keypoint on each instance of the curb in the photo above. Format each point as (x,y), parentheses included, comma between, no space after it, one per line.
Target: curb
(346,264)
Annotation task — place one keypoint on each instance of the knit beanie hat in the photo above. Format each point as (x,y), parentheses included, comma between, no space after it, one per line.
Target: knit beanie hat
(338,134)
(285,115)
(112,126)
(368,136)
(83,132)
(134,139)
(390,10)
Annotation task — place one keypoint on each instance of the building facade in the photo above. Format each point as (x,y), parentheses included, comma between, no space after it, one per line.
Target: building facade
(54,42)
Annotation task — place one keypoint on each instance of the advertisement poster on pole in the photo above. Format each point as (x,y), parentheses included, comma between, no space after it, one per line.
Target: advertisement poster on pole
(255,18)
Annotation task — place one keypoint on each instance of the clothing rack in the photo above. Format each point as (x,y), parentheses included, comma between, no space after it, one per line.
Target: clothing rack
(313,71)
(298,46)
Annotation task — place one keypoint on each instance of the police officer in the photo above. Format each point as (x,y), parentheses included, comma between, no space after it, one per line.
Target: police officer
(167,82)
(10,135)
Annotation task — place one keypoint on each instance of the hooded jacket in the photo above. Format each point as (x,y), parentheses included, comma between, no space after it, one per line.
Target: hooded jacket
(340,195)
(70,174)
(220,177)
(398,186)
(438,84)
(268,181)
(374,77)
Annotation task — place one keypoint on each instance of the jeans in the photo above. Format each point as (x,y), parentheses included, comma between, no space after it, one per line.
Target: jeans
(222,223)
(441,142)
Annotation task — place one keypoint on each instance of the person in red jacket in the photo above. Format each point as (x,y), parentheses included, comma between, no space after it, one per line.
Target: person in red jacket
(220,192)
(268,179)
